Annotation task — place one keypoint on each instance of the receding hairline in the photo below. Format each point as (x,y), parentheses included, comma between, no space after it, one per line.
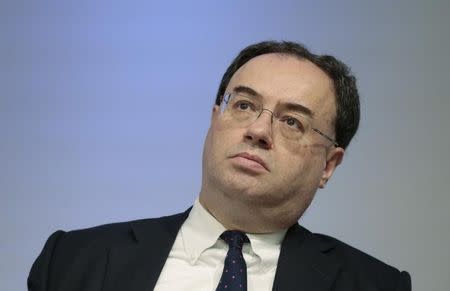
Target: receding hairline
(285,55)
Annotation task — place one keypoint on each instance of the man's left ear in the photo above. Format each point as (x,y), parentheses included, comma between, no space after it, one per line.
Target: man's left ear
(214,112)
(334,158)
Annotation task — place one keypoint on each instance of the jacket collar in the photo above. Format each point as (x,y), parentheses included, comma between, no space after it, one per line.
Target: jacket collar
(303,263)
(136,266)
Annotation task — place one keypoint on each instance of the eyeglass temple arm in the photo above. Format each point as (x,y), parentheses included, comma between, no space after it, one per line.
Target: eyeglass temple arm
(326,136)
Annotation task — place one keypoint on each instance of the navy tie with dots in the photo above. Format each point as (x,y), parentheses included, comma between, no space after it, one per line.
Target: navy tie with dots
(234,275)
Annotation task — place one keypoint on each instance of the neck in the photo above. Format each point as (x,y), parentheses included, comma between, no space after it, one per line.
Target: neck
(238,215)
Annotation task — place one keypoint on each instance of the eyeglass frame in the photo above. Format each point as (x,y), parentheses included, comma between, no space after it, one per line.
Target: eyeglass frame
(226,100)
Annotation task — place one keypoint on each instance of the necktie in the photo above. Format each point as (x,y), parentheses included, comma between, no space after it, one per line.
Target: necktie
(234,275)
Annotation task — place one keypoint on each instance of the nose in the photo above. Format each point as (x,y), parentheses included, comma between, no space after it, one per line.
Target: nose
(259,133)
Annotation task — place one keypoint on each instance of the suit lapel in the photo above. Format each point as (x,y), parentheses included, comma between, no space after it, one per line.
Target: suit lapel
(302,264)
(136,266)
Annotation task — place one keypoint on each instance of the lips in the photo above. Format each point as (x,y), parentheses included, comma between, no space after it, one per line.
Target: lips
(253,158)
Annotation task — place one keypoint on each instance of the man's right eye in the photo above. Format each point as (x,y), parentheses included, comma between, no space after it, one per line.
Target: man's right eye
(243,105)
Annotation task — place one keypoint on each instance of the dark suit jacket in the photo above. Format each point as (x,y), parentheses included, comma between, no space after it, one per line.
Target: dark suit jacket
(129,257)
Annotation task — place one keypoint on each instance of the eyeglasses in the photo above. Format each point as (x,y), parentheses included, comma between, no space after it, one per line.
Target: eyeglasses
(244,110)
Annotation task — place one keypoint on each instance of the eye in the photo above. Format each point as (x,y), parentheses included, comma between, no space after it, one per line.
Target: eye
(293,123)
(244,105)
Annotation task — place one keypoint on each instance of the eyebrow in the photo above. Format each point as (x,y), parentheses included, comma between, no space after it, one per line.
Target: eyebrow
(288,105)
(300,108)
(246,90)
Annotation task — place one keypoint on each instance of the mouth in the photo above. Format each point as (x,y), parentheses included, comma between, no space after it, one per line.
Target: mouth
(257,161)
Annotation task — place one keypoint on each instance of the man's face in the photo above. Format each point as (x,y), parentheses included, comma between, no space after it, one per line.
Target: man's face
(256,165)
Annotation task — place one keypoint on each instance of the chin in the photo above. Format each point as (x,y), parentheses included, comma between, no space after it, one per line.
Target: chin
(244,187)
(255,197)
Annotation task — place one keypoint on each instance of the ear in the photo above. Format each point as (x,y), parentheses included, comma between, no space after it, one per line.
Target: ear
(215,112)
(334,158)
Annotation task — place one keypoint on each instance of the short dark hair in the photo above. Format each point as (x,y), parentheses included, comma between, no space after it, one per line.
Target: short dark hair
(347,97)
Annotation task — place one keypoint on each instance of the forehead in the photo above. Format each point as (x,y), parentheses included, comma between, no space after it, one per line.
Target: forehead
(284,78)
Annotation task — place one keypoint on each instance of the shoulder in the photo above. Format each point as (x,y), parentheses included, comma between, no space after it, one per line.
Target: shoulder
(350,268)
(349,255)
(90,242)
(360,267)
(72,252)
(112,234)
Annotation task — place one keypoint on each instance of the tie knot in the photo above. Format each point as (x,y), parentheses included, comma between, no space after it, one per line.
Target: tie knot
(234,238)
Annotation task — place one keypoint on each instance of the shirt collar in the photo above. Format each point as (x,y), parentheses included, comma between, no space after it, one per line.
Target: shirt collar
(201,231)
(267,246)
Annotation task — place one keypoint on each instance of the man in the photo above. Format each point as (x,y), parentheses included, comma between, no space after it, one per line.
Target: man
(282,120)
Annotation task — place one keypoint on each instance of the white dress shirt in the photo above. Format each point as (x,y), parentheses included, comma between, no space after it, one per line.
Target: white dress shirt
(196,259)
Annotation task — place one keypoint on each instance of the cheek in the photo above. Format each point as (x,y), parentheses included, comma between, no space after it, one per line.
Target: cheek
(219,141)
(303,165)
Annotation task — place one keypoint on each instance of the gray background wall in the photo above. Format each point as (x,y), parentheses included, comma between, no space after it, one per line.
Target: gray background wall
(104,106)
